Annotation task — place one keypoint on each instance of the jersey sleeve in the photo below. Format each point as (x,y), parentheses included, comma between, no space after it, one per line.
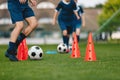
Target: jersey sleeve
(81,9)
(74,6)
(59,6)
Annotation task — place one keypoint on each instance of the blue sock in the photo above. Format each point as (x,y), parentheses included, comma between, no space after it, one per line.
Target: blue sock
(20,39)
(65,40)
(67,43)
(78,38)
(12,48)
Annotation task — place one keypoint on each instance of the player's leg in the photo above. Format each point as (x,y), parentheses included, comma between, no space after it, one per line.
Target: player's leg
(77,29)
(65,37)
(32,24)
(11,51)
(63,27)
(17,19)
(16,31)
(78,34)
(69,32)
(29,17)
(15,39)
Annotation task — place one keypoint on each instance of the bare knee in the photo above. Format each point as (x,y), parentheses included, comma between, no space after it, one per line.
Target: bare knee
(19,25)
(77,31)
(65,33)
(33,24)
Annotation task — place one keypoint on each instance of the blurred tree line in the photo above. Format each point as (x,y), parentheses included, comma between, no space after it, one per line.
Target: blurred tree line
(109,8)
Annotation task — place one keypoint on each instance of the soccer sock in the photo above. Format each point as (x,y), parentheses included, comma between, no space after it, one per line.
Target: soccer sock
(20,39)
(65,40)
(67,43)
(78,38)
(12,48)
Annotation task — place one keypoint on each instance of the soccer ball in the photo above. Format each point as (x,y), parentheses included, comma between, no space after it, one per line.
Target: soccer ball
(61,48)
(35,52)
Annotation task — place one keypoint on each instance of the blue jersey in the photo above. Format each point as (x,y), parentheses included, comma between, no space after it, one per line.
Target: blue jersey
(80,10)
(66,15)
(66,10)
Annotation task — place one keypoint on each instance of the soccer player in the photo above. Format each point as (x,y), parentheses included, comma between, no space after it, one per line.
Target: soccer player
(80,22)
(65,10)
(19,11)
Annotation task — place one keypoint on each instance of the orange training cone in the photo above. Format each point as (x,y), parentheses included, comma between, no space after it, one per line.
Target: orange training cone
(75,48)
(90,52)
(22,51)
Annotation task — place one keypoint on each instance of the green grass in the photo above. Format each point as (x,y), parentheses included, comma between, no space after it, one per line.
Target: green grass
(62,67)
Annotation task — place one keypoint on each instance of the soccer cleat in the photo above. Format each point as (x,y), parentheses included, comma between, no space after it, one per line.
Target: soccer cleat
(67,51)
(6,54)
(11,56)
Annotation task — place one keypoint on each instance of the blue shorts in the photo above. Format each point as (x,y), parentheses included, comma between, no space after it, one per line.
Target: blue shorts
(19,12)
(78,23)
(66,23)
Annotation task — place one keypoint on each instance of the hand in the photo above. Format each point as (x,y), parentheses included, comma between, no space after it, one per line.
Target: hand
(22,1)
(78,17)
(33,2)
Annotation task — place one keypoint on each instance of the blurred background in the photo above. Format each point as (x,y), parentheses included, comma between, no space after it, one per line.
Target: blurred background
(102,19)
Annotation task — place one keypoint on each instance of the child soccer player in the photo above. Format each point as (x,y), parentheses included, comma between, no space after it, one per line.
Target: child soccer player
(80,22)
(67,9)
(19,11)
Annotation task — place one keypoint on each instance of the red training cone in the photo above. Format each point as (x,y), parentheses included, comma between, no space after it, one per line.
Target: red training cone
(22,51)
(90,52)
(75,48)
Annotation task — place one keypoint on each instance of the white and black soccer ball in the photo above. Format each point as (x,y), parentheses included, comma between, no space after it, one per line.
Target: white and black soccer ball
(61,48)
(35,53)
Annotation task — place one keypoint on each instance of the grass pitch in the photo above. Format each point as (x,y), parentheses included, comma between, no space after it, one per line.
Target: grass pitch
(62,67)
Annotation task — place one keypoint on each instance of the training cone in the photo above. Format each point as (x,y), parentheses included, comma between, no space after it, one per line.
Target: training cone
(75,48)
(90,52)
(22,53)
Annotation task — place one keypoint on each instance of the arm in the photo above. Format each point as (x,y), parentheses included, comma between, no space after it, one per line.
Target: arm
(54,17)
(83,16)
(83,20)
(75,12)
(56,13)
